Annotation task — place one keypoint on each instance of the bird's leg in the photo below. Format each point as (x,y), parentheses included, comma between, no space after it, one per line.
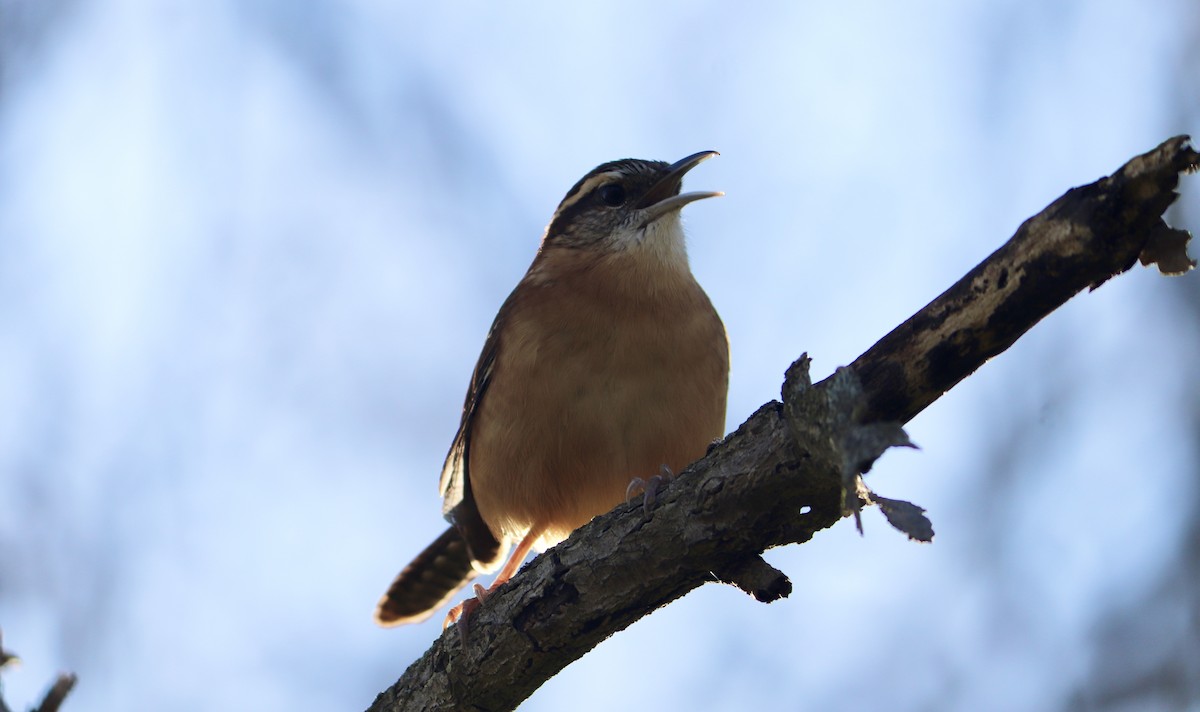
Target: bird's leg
(649,488)
(461,614)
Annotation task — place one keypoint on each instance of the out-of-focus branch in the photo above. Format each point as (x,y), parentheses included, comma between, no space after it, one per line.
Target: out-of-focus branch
(62,686)
(56,694)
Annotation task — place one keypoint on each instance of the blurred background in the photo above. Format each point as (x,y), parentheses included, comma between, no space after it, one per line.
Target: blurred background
(249,252)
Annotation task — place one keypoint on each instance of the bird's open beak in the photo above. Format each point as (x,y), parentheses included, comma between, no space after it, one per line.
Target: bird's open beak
(662,197)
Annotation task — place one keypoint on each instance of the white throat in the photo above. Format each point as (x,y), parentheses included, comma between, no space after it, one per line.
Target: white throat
(663,240)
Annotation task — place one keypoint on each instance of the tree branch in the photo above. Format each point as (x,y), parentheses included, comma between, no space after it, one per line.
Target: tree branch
(792,468)
(1083,239)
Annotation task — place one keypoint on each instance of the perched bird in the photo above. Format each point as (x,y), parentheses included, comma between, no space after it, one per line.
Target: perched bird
(606,363)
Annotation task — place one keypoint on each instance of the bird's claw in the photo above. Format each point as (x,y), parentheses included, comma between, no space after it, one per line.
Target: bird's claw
(649,488)
(460,615)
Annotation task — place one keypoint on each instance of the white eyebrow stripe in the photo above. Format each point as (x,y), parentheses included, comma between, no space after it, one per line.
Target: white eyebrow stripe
(587,187)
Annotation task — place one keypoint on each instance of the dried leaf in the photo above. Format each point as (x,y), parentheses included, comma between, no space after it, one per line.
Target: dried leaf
(1167,248)
(907,517)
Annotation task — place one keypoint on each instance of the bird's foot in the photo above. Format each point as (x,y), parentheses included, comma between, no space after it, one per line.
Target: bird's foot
(649,488)
(460,615)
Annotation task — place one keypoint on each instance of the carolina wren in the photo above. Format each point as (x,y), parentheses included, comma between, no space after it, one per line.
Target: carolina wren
(606,363)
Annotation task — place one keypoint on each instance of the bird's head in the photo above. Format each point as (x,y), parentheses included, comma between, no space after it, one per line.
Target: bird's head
(627,205)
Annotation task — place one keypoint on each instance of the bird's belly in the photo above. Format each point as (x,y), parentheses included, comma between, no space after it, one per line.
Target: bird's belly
(570,423)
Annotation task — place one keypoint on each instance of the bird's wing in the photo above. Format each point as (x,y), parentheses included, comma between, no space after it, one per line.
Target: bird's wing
(458,504)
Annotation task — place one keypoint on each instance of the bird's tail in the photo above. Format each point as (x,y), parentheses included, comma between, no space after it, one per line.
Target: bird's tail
(428,582)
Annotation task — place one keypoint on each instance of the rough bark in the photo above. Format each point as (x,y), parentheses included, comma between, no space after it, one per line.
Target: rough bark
(792,468)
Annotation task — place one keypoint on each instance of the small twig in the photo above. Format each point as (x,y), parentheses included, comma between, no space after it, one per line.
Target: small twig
(54,697)
(757,578)
(58,692)
(7,657)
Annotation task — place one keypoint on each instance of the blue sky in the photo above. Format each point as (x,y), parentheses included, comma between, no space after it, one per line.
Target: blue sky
(249,252)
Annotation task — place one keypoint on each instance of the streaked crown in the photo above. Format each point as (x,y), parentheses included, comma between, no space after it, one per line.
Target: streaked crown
(620,199)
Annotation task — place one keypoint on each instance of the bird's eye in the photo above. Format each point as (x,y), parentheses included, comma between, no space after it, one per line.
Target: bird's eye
(612,195)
